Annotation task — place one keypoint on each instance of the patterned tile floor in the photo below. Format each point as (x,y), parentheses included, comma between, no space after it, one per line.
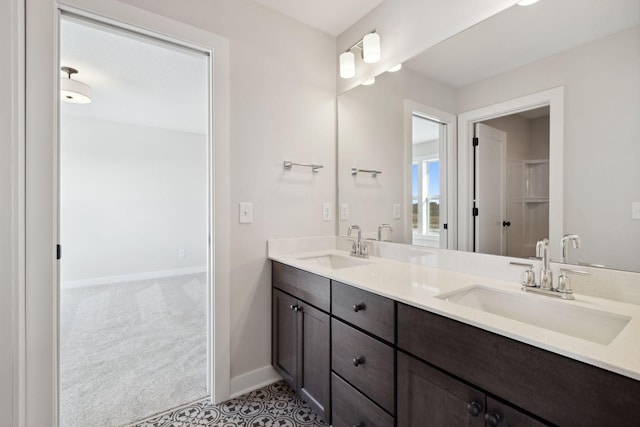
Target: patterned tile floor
(275,405)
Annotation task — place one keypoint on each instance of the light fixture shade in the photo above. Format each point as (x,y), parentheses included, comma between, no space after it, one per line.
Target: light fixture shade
(347,65)
(74,92)
(369,82)
(371,48)
(395,68)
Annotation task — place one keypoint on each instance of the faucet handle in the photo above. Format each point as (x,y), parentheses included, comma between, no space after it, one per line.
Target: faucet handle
(564,284)
(529,276)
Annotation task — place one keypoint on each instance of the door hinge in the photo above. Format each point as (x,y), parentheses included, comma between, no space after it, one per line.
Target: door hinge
(475,141)
(445,226)
(58,252)
(474,211)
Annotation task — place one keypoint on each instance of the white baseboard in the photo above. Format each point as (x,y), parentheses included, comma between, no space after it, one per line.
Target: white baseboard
(253,380)
(107,280)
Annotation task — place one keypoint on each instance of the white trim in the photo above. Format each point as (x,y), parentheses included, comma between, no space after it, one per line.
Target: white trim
(554,98)
(447,156)
(109,280)
(253,380)
(41,178)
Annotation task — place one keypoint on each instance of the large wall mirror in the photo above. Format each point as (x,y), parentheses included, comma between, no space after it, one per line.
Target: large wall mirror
(522,127)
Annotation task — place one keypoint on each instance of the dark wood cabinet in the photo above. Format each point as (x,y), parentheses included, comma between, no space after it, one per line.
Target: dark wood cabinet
(430,397)
(351,408)
(301,349)
(366,310)
(284,337)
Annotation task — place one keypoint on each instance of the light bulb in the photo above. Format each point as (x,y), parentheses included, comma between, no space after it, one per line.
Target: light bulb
(369,82)
(395,68)
(527,2)
(371,48)
(347,65)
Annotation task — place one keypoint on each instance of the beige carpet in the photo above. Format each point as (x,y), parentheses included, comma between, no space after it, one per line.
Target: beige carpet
(131,350)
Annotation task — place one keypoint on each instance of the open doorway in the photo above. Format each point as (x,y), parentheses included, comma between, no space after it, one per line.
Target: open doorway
(135,282)
(511,183)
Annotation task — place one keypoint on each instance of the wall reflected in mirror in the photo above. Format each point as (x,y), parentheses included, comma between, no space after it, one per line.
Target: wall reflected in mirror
(589,48)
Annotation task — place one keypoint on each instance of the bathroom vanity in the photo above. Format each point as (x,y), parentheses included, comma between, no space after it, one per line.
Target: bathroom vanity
(376,342)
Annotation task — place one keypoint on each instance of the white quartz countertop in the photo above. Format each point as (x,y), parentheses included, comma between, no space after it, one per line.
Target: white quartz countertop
(419,286)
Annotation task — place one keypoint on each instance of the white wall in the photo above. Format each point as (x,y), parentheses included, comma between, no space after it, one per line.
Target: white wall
(282,108)
(131,196)
(601,151)
(407,27)
(371,136)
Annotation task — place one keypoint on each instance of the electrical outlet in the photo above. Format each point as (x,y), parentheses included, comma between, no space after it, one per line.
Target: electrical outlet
(635,210)
(246,213)
(344,212)
(396,211)
(326,211)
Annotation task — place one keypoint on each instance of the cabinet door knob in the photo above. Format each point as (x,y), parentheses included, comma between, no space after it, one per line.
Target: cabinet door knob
(474,409)
(492,419)
(292,307)
(357,361)
(359,425)
(295,307)
(358,307)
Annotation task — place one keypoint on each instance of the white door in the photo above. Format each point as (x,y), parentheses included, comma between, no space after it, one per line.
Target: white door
(490,157)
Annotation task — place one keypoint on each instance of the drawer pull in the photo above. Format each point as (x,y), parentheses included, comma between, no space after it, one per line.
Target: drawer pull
(492,419)
(474,409)
(357,361)
(358,307)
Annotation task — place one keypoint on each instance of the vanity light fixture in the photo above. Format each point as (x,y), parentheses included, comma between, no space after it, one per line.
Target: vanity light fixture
(527,2)
(347,65)
(369,82)
(74,91)
(369,46)
(395,68)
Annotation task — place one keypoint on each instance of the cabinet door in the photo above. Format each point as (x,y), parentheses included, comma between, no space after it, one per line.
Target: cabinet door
(502,415)
(313,359)
(428,397)
(284,345)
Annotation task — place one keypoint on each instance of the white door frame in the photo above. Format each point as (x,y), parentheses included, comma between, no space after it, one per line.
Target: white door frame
(412,108)
(554,98)
(40,363)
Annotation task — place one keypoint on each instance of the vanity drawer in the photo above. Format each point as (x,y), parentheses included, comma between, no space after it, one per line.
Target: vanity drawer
(351,408)
(373,313)
(309,287)
(365,362)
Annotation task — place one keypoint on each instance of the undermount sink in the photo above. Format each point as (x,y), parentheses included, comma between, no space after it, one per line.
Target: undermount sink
(593,325)
(334,261)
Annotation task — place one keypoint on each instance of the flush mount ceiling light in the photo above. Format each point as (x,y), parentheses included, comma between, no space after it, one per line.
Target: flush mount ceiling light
(369,46)
(74,91)
(527,2)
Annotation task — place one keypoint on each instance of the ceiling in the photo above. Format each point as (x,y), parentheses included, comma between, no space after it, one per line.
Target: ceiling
(135,79)
(330,16)
(521,35)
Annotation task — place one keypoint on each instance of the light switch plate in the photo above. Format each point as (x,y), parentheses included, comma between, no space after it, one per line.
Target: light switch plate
(344,212)
(396,211)
(635,210)
(326,211)
(246,213)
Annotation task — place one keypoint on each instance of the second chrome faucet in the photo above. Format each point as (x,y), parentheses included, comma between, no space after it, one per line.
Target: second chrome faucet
(358,248)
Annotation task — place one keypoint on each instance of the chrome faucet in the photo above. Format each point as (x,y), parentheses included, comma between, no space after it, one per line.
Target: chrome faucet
(359,248)
(574,239)
(546,275)
(382,227)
